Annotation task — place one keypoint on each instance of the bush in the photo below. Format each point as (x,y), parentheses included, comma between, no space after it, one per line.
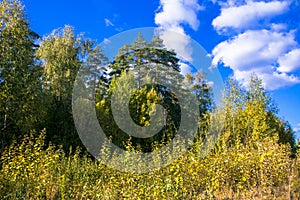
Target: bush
(31,170)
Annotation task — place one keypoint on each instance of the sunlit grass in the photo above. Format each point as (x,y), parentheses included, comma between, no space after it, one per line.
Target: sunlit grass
(31,170)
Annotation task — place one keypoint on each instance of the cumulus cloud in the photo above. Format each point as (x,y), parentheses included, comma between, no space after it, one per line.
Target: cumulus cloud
(176,39)
(289,62)
(272,80)
(253,49)
(175,12)
(266,53)
(245,16)
(170,18)
(272,53)
(278,27)
(277,80)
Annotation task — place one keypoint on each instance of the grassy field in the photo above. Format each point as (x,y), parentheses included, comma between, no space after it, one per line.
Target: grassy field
(32,171)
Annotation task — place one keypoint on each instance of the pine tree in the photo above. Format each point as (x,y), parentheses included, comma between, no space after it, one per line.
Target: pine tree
(147,60)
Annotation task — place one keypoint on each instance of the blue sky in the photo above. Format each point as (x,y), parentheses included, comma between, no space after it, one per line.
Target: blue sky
(242,37)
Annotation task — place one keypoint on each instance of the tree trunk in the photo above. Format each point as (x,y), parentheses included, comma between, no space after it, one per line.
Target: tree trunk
(3,132)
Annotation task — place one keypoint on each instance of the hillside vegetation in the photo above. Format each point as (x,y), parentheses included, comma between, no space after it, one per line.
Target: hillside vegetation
(254,154)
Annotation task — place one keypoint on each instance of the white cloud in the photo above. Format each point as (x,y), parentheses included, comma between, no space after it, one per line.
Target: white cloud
(271,80)
(171,17)
(289,62)
(278,27)
(106,41)
(271,52)
(276,80)
(253,49)
(266,53)
(176,12)
(297,128)
(248,15)
(210,83)
(176,39)
(185,68)
(108,22)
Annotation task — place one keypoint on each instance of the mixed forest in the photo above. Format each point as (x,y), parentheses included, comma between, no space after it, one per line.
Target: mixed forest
(255,155)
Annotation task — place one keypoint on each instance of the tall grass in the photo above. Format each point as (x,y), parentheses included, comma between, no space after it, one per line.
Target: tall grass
(30,170)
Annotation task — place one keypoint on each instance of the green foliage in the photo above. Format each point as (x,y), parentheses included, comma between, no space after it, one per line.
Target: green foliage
(61,55)
(254,157)
(58,53)
(20,85)
(251,116)
(130,67)
(32,170)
